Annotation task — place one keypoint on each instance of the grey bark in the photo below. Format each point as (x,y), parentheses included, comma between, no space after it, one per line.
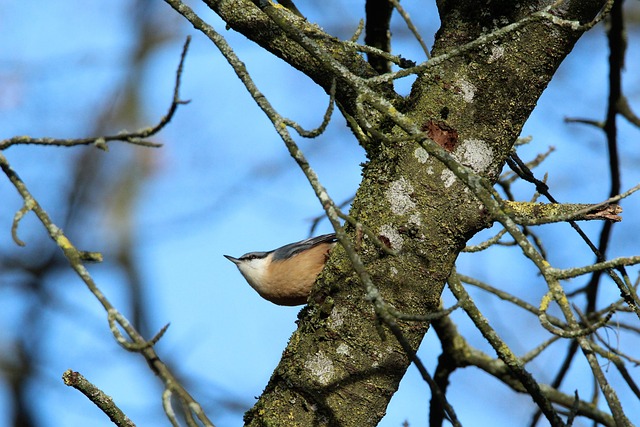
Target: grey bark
(341,367)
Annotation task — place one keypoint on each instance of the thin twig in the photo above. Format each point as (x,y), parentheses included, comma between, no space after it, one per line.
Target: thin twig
(503,351)
(98,397)
(136,138)
(325,120)
(411,27)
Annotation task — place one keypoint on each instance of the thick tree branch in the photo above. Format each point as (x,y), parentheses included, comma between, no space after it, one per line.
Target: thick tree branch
(426,189)
(377,33)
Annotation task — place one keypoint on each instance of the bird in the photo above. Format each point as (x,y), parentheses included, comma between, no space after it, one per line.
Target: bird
(285,276)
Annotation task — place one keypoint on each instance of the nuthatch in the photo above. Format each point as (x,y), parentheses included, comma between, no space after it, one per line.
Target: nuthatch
(285,275)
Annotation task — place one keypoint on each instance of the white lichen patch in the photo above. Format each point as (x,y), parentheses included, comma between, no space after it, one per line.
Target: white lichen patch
(395,239)
(415,219)
(394,271)
(421,154)
(467,88)
(320,367)
(474,153)
(336,318)
(399,197)
(496,53)
(448,178)
(343,349)
(381,356)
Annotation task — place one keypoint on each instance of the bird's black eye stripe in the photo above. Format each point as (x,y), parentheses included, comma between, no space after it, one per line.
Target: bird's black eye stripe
(253,255)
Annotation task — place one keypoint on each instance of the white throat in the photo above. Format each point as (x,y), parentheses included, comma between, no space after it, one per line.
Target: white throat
(254,270)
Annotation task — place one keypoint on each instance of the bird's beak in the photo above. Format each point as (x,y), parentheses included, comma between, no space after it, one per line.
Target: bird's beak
(236,261)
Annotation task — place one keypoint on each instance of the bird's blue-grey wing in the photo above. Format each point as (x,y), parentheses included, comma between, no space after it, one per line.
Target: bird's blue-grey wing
(287,251)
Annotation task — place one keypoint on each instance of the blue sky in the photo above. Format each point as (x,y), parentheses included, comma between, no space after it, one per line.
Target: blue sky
(224,184)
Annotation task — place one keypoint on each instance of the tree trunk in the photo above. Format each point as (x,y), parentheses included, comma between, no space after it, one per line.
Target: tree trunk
(342,366)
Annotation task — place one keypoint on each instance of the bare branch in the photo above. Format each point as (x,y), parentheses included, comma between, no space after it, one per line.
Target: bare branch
(377,33)
(168,407)
(136,138)
(98,397)
(325,120)
(411,27)
(528,213)
(573,333)
(625,110)
(486,244)
(503,351)
(566,273)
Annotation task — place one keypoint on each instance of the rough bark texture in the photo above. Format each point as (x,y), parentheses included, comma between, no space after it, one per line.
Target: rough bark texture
(341,367)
